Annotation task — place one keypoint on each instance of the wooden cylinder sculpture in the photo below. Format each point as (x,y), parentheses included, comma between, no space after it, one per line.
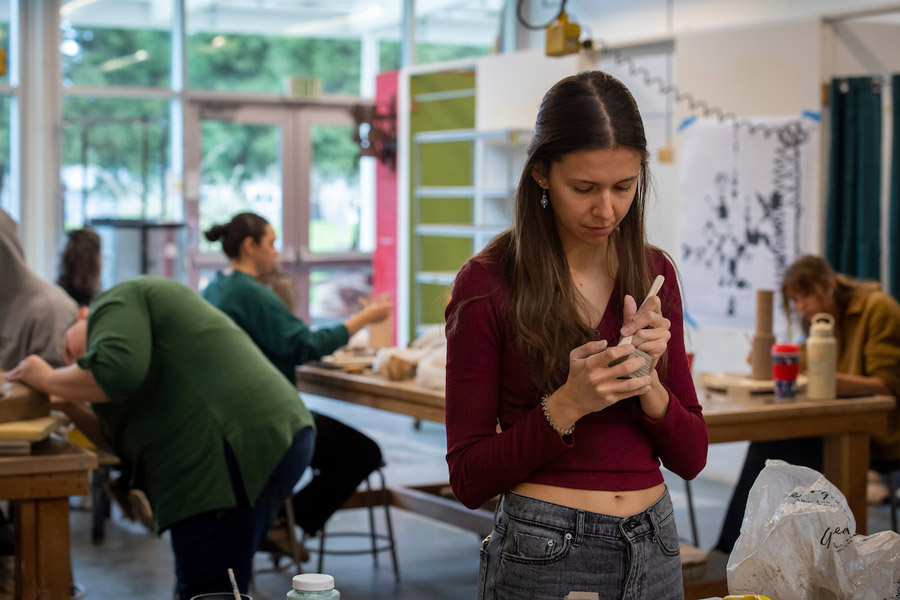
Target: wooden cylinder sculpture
(763,338)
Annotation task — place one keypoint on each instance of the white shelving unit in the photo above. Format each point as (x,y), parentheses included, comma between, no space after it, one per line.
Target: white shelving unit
(497,159)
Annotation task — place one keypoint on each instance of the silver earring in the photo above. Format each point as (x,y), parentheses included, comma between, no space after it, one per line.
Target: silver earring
(544,199)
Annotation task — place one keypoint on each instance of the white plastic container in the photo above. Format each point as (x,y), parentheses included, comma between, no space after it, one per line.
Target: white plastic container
(821,358)
(313,586)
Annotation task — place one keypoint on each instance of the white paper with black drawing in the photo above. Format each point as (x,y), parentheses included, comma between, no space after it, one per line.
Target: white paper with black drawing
(745,201)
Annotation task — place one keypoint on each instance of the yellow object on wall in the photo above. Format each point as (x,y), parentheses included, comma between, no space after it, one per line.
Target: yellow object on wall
(562,37)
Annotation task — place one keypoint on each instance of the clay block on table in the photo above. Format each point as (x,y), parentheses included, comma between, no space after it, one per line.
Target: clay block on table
(19,402)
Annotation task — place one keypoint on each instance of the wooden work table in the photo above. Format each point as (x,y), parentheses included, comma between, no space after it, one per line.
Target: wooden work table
(40,484)
(846,424)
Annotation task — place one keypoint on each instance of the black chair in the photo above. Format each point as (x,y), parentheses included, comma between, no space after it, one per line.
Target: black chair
(380,542)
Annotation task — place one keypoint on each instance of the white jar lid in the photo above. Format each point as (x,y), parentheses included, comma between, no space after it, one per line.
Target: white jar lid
(313,582)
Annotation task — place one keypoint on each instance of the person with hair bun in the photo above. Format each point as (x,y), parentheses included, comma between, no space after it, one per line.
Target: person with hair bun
(343,456)
(537,408)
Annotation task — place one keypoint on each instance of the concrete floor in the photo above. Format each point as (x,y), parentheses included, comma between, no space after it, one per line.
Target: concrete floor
(437,561)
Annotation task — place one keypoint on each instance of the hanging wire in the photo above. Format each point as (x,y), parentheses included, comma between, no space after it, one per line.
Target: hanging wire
(660,83)
(527,25)
(696,105)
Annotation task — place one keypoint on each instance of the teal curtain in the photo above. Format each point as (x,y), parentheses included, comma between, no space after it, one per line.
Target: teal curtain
(895,192)
(853,211)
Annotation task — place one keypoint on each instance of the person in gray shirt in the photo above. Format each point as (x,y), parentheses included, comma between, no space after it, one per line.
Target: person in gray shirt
(34,314)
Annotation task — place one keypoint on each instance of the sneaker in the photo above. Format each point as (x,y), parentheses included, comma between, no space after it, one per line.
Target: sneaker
(277,542)
(877,492)
(140,508)
(115,489)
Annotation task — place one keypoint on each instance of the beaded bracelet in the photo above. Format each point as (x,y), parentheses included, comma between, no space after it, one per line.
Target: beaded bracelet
(556,428)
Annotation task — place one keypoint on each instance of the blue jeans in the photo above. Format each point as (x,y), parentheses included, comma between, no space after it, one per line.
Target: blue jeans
(544,551)
(206,545)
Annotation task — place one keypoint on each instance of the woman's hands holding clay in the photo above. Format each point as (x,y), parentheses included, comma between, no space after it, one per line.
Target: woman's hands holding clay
(649,328)
(593,385)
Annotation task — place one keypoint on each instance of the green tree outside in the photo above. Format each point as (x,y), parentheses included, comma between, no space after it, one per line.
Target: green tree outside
(127,138)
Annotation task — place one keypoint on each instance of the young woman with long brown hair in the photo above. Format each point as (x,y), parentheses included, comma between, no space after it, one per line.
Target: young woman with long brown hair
(536,412)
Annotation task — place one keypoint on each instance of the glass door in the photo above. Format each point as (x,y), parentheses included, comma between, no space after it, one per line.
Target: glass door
(297,166)
(336,224)
(235,157)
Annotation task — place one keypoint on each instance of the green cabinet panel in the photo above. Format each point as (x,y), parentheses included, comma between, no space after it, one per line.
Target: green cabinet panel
(440,101)
(445,210)
(445,164)
(444,254)
(434,301)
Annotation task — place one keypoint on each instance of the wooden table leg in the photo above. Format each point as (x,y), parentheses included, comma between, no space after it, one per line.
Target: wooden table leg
(43,564)
(845,465)
(26,549)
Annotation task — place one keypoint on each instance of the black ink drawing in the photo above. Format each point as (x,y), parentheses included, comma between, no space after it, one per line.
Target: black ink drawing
(746,227)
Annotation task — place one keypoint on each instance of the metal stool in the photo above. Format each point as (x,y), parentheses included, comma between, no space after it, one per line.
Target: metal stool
(693,518)
(366,498)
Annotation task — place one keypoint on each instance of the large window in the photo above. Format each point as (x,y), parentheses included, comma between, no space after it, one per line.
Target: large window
(389,53)
(115,159)
(116,145)
(115,42)
(240,171)
(258,63)
(335,196)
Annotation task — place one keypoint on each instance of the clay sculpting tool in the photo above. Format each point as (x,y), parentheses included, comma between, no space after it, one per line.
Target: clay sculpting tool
(645,370)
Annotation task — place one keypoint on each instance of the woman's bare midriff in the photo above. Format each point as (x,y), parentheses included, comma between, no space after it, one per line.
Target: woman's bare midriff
(617,504)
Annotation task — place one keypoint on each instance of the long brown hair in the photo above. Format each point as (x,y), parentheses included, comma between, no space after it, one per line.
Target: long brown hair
(810,272)
(80,264)
(589,111)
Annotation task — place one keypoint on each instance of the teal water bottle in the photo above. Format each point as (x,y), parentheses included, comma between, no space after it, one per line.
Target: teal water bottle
(313,586)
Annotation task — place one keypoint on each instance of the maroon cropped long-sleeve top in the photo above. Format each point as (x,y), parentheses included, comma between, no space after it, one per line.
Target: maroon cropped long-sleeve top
(616,449)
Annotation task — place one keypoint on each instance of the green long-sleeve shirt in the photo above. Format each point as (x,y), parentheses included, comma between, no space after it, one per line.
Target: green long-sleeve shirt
(182,381)
(284,339)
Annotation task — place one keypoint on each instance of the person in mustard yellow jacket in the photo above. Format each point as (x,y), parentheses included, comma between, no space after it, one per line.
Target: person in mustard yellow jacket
(867,329)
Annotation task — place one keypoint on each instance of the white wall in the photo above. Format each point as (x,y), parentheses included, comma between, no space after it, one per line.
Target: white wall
(616,21)
(511,86)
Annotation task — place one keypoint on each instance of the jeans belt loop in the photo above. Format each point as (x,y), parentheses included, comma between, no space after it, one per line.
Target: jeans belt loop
(654,522)
(579,527)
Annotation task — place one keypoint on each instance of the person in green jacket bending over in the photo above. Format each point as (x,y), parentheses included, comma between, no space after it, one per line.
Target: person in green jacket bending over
(215,436)
(343,456)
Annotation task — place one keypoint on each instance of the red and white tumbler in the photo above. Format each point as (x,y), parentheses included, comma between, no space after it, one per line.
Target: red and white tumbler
(785,367)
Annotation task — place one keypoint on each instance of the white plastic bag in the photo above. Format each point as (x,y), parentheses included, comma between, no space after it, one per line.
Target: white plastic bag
(432,371)
(798,542)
